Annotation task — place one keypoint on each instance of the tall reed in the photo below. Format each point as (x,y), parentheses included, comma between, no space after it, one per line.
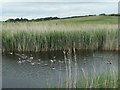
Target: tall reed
(80,33)
(24,41)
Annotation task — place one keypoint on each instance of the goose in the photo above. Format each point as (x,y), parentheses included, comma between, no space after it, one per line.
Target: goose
(63,52)
(108,62)
(10,53)
(33,63)
(38,63)
(19,58)
(54,60)
(31,57)
(45,64)
(23,60)
(61,61)
(53,68)
(39,60)
(51,61)
(19,61)
(23,54)
(28,60)
(54,57)
(24,57)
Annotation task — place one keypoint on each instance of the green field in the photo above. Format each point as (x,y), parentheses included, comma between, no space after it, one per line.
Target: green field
(86,33)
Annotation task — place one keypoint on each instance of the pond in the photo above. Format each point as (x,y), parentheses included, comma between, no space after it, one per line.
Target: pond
(54,69)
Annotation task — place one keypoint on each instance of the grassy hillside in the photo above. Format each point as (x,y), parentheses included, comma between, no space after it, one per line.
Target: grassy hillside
(94,20)
(94,32)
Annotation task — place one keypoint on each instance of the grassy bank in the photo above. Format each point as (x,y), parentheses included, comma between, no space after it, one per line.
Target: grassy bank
(98,32)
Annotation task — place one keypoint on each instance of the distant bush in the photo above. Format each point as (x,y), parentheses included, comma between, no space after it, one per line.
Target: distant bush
(17,20)
(103,14)
(109,14)
(25,20)
(114,15)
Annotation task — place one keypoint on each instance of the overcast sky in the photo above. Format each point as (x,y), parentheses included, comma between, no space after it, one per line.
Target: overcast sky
(46,8)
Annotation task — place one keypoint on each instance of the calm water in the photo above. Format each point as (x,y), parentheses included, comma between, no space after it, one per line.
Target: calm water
(50,71)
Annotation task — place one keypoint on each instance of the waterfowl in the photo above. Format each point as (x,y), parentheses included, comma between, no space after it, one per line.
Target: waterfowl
(28,60)
(54,57)
(60,61)
(45,64)
(51,61)
(24,57)
(19,58)
(38,63)
(10,53)
(39,60)
(33,63)
(31,58)
(53,68)
(23,60)
(108,62)
(19,61)
(23,54)
(63,52)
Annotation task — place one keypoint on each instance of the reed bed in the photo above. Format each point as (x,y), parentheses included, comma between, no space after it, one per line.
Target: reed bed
(58,35)
(100,81)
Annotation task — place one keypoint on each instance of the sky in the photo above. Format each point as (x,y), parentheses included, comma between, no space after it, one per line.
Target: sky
(55,8)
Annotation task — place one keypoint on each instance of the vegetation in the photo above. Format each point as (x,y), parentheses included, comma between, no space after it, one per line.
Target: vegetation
(54,18)
(93,32)
(99,81)
(83,33)
(89,78)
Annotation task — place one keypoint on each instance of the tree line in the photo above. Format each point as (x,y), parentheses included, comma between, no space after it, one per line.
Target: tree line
(54,18)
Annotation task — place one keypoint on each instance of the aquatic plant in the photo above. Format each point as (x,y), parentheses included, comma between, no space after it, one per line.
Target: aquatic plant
(68,33)
(108,79)
(24,41)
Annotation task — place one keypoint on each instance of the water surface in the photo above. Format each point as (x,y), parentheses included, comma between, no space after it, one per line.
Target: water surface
(46,73)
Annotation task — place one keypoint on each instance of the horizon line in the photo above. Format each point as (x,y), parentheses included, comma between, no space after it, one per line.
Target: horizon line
(62,17)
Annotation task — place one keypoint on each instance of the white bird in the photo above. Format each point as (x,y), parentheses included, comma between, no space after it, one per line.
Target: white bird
(54,60)
(28,60)
(23,60)
(54,57)
(19,61)
(24,57)
(53,68)
(38,63)
(63,52)
(23,54)
(33,63)
(38,59)
(51,60)
(11,53)
(61,61)
(108,62)
(45,64)
(31,57)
